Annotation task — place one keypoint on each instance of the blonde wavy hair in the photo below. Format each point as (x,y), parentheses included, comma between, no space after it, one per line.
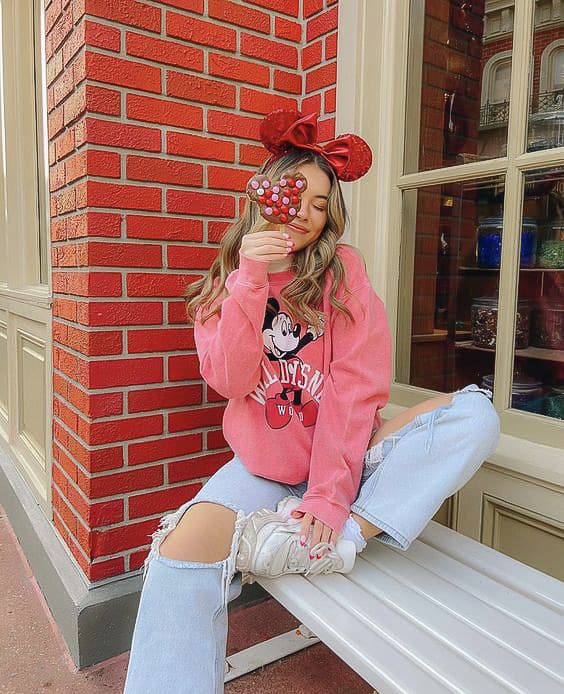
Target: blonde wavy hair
(303,295)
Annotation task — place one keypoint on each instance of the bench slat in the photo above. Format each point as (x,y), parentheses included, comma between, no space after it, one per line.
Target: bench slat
(425,620)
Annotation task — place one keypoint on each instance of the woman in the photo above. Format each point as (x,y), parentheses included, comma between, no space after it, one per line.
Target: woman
(289,329)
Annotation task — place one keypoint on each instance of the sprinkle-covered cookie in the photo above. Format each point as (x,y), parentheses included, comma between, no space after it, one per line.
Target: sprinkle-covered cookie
(279,201)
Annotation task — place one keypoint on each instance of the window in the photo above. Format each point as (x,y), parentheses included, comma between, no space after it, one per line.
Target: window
(481,288)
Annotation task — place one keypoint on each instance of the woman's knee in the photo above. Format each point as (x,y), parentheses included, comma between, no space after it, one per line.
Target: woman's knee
(203,534)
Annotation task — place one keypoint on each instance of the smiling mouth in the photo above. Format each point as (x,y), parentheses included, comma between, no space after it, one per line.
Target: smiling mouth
(298,229)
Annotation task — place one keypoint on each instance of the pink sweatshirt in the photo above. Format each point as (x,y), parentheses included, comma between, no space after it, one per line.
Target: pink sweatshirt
(302,405)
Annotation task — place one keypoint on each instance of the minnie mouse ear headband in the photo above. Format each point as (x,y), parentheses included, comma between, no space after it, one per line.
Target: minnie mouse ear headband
(284,129)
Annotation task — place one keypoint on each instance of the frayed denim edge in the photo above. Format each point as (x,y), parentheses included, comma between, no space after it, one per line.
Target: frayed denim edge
(167,524)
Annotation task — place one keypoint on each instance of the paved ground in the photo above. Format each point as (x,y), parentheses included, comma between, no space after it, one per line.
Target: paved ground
(34,658)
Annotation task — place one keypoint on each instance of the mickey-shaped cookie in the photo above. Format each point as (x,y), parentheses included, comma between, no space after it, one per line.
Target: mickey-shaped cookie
(279,201)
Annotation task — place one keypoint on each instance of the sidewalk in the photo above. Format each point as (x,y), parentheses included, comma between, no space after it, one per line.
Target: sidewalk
(34,658)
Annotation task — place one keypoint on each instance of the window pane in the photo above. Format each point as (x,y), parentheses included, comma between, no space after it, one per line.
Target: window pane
(546,103)
(538,380)
(450,246)
(458,82)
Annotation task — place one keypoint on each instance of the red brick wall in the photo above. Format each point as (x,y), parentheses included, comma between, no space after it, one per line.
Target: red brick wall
(154,110)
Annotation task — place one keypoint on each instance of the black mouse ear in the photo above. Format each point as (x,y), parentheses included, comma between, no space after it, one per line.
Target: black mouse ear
(272,309)
(274,303)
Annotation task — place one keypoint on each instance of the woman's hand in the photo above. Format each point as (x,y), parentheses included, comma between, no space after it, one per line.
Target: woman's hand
(266,241)
(320,531)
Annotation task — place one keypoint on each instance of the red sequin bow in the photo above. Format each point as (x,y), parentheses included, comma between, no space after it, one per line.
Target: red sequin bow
(281,130)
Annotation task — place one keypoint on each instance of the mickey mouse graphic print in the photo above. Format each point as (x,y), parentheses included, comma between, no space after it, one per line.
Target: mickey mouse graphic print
(287,370)
(302,403)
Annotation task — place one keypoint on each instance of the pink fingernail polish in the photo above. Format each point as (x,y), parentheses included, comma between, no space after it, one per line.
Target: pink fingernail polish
(302,540)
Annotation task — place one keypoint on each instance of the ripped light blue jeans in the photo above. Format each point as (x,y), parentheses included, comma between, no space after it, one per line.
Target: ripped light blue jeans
(180,635)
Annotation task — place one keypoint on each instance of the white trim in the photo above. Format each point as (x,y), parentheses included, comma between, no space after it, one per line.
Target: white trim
(545,83)
(502,56)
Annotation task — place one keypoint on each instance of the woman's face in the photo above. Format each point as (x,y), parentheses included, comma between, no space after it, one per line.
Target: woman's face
(312,216)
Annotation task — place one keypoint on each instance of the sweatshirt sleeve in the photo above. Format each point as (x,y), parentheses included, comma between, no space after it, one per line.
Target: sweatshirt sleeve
(358,385)
(230,344)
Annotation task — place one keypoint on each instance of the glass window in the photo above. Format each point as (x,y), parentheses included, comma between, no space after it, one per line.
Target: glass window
(538,376)
(459,76)
(451,246)
(546,105)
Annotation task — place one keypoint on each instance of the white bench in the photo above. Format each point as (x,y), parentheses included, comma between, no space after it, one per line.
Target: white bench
(447,615)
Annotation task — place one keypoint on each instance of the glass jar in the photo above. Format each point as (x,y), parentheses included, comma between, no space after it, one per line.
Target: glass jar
(550,248)
(488,246)
(484,322)
(524,390)
(547,324)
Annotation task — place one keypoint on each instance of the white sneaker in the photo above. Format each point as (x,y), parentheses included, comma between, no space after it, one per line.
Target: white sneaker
(270,547)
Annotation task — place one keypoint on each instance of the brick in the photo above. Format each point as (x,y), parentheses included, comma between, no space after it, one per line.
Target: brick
(197,31)
(163,398)
(123,196)
(286,29)
(324,76)
(224,178)
(231,124)
(183,367)
(86,342)
(176,313)
(164,228)
(153,169)
(160,449)
(157,284)
(160,340)
(203,466)
(234,13)
(287,82)
(217,230)
(161,501)
(122,429)
(312,55)
(311,7)
(162,51)
(330,99)
(268,50)
(127,12)
(190,5)
(103,163)
(323,24)
(193,257)
(239,70)
(125,372)
(121,538)
(99,313)
(103,132)
(252,155)
(87,283)
(215,439)
(207,205)
(103,100)
(75,106)
(331,46)
(263,102)
(287,7)
(102,36)
(106,569)
(311,104)
(123,254)
(197,147)
(93,224)
(195,88)
(195,419)
(124,73)
(61,30)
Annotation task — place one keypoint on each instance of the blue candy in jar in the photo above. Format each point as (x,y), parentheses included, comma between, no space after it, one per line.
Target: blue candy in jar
(488,248)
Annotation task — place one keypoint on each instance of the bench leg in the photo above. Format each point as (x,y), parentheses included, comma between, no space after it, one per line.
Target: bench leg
(268,651)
